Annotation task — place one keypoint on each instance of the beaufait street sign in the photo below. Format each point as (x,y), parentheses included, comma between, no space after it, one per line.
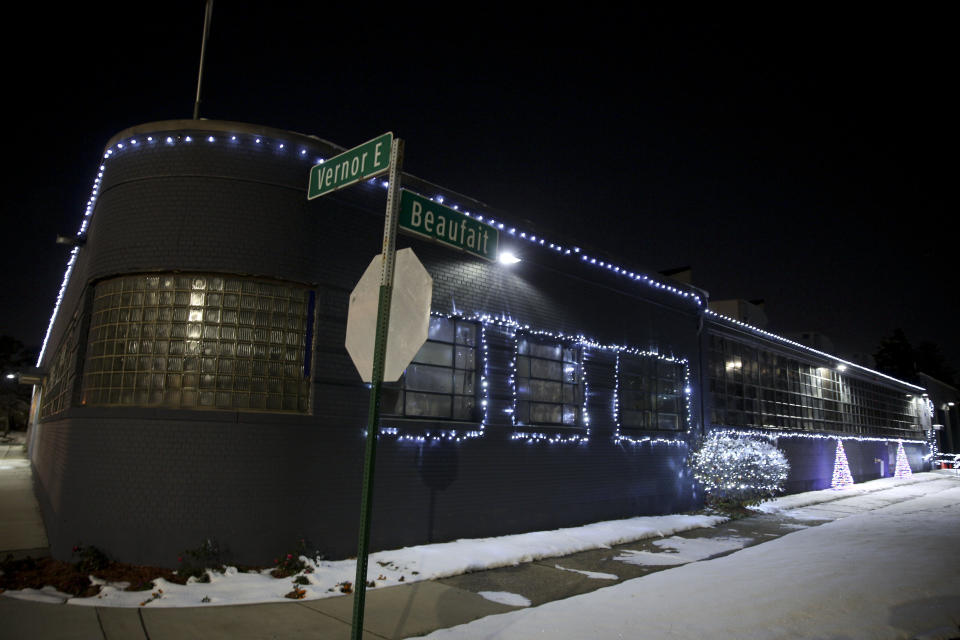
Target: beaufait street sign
(429,219)
(368,160)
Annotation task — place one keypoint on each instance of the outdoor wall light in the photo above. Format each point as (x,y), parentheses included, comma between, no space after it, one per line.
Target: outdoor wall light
(72,241)
(841,367)
(507,258)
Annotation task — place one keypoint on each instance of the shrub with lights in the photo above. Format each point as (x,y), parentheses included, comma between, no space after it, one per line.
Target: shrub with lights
(737,470)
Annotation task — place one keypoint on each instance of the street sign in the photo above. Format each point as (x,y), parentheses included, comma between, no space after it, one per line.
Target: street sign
(409,315)
(429,219)
(365,161)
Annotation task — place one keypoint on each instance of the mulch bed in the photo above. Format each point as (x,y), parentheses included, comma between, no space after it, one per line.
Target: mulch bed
(36,573)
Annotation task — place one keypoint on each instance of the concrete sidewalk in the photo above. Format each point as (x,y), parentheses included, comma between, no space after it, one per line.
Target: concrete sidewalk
(391,612)
(21,527)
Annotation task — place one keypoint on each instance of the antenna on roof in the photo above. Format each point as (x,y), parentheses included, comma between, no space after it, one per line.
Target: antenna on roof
(203,50)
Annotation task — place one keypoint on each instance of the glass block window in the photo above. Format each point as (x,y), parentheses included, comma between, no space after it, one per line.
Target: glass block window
(548,382)
(199,342)
(441,381)
(650,393)
(60,382)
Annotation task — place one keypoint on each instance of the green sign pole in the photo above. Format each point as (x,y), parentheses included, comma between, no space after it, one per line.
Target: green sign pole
(379,357)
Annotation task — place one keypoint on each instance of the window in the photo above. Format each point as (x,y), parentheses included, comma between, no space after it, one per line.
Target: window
(792,394)
(549,390)
(651,393)
(199,341)
(441,381)
(58,390)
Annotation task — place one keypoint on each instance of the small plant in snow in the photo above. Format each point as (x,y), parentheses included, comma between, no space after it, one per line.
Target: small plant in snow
(156,595)
(291,564)
(91,559)
(737,470)
(195,562)
(296,594)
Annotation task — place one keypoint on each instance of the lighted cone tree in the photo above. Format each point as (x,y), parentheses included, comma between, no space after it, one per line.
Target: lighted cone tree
(841,470)
(736,470)
(903,465)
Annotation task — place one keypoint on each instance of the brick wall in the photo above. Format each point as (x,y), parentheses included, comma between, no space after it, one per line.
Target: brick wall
(146,484)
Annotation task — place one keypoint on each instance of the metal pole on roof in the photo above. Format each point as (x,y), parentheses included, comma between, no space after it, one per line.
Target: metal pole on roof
(203,51)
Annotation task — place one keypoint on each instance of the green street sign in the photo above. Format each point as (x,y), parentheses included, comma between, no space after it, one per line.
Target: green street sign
(360,163)
(424,217)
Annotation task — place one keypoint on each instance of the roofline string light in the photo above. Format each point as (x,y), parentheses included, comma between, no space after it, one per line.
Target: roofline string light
(134,143)
(170,139)
(842,363)
(125,146)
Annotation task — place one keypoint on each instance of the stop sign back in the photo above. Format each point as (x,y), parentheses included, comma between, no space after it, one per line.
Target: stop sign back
(409,315)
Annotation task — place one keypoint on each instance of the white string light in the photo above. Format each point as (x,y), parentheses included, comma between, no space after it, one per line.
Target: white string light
(584,258)
(775,435)
(793,343)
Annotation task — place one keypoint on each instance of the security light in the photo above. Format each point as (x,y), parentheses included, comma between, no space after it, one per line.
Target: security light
(508,258)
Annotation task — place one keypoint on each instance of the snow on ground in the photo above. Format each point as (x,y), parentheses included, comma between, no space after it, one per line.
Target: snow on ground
(796,500)
(683,550)
(505,597)
(410,564)
(891,572)
(593,575)
(48,594)
(428,562)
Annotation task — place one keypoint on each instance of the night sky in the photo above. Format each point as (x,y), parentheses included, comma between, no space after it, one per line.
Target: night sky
(799,159)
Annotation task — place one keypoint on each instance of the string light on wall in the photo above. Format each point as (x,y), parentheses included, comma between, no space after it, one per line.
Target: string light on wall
(453,434)
(132,145)
(560,434)
(619,437)
(776,435)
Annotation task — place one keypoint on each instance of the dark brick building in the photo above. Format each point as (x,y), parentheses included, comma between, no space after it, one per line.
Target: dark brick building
(196,383)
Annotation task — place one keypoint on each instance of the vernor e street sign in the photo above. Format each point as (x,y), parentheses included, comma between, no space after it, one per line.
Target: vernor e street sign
(360,163)
(424,217)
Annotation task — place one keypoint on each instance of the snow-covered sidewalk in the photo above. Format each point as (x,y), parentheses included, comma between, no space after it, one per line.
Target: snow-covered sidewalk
(885,567)
(387,568)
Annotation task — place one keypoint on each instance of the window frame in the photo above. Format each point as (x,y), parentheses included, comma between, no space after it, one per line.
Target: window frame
(653,388)
(395,396)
